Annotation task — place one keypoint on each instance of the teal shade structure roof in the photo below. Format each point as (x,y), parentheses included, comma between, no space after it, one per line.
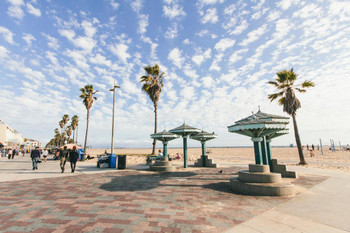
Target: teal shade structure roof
(203,136)
(164,136)
(185,130)
(264,117)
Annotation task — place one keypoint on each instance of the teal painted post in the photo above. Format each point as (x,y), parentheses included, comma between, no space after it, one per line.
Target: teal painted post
(203,154)
(264,152)
(165,149)
(185,151)
(257,150)
(268,149)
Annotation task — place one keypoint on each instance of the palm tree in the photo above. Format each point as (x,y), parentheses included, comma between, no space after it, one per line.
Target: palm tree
(69,132)
(61,123)
(74,124)
(88,99)
(152,85)
(57,136)
(285,84)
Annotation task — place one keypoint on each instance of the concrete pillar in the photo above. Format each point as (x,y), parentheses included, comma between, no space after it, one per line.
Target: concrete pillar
(185,151)
(165,149)
(264,151)
(257,149)
(268,150)
(203,154)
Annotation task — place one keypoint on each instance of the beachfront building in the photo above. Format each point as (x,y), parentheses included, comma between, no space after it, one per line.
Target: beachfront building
(10,137)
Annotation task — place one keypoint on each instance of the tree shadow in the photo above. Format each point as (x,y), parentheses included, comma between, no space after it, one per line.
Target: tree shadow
(141,182)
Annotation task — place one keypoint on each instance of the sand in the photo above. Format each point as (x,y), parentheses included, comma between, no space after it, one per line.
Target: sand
(338,160)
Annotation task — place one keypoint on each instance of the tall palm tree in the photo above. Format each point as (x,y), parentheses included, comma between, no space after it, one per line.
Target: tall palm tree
(61,123)
(152,85)
(74,124)
(287,98)
(57,136)
(87,95)
(69,132)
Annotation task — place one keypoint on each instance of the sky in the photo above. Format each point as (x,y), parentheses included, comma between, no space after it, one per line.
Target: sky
(217,56)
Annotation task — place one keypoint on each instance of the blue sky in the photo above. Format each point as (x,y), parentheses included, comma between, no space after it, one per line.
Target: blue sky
(217,56)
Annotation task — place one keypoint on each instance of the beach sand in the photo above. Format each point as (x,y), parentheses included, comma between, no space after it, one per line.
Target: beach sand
(338,160)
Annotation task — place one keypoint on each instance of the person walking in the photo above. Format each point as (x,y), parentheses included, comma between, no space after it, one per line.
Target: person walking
(35,156)
(45,153)
(63,157)
(9,153)
(13,153)
(73,158)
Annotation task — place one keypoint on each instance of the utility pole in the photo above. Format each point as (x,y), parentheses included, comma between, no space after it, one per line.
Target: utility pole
(113,90)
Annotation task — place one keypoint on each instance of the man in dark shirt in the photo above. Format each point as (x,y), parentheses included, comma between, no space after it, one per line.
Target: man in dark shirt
(35,155)
(63,157)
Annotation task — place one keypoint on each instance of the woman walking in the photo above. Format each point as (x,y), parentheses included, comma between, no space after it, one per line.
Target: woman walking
(73,158)
(45,153)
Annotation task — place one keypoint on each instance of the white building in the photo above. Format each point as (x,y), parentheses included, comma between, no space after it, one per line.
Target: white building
(9,136)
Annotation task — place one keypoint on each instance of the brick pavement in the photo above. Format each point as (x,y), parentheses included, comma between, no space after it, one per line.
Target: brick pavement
(198,200)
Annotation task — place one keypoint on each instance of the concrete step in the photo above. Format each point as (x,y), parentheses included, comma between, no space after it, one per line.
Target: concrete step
(259,177)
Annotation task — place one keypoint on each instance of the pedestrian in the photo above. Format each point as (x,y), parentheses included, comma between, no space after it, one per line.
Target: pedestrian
(45,153)
(35,156)
(13,153)
(73,158)
(312,153)
(63,158)
(9,153)
(160,153)
(307,146)
(313,147)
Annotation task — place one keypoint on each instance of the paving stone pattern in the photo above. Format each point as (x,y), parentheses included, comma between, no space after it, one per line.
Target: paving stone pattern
(132,201)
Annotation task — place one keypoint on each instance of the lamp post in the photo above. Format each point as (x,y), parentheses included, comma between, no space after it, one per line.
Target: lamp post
(113,90)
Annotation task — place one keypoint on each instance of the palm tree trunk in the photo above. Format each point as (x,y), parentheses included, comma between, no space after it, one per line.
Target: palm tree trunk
(297,139)
(73,136)
(155,127)
(86,134)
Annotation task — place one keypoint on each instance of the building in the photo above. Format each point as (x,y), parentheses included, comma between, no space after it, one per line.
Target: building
(10,137)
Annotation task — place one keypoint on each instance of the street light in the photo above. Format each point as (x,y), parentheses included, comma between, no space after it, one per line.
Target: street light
(113,90)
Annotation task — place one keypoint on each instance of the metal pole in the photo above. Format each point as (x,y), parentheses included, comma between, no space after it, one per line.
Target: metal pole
(203,154)
(321,146)
(185,151)
(112,142)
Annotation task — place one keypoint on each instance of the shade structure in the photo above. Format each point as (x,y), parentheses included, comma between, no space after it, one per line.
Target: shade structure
(184,131)
(164,136)
(261,127)
(203,137)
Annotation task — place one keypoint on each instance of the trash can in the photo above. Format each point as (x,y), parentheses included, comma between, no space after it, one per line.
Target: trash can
(121,161)
(112,161)
(80,152)
(103,162)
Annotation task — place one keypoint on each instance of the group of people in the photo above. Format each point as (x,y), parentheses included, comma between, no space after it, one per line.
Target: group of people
(11,152)
(63,154)
(177,156)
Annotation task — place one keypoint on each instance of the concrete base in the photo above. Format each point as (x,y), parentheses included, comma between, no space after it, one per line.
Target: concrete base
(208,162)
(259,181)
(162,165)
(282,169)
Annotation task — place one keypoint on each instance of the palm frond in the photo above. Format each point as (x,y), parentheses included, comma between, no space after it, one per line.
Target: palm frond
(306,84)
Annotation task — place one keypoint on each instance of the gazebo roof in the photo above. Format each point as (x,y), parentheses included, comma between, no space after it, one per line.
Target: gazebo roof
(203,136)
(164,136)
(265,116)
(185,130)
(260,124)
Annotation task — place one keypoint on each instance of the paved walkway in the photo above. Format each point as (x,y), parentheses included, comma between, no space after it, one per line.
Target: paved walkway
(137,200)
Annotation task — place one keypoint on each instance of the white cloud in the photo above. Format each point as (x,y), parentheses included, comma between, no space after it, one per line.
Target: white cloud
(69,34)
(121,51)
(210,16)
(52,57)
(90,31)
(188,93)
(254,35)
(15,9)
(285,4)
(236,56)
(207,81)
(32,10)
(215,63)
(273,16)
(100,60)
(172,32)
(137,5)
(240,28)
(114,4)
(173,11)
(52,42)
(186,41)
(176,57)
(143,23)
(85,43)
(190,72)
(224,44)
(3,52)
(199,58)
(308,11)
(28,39)
(7,35)
(78,57)
(209,2)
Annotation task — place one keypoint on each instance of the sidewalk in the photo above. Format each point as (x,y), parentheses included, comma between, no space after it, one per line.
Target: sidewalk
(137,200)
